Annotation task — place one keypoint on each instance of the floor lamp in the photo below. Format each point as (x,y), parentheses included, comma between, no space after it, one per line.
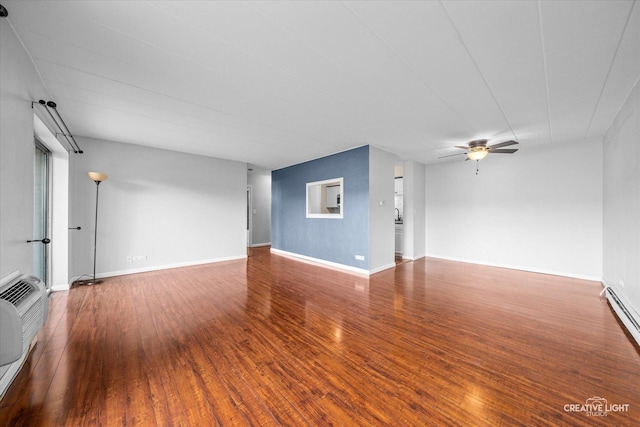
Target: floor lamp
(96,177)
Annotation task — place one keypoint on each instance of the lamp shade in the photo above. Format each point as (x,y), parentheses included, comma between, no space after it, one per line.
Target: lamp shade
(98,176)
(477,154)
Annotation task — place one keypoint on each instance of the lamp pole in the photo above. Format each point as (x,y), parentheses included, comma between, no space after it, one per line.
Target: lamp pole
(96,177)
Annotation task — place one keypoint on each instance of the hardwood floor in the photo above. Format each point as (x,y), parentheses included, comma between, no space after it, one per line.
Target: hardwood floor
(272,341)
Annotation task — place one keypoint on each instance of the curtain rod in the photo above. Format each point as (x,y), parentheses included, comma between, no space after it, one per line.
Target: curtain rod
(62,126)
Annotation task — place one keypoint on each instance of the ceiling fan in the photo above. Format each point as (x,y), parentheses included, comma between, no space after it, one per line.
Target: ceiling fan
(478,149)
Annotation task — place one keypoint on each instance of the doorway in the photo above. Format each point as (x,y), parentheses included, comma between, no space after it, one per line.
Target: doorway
(249,218)
(41,208)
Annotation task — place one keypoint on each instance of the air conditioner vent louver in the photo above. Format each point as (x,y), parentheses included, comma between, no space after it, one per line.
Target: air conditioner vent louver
(17,292)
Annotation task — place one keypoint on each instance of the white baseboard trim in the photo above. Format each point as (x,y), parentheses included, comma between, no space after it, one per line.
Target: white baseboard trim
(61,287)
(161,267)
(413,258)
(520,268)
(384,267)
(627,314)
(321,262)
(257,245)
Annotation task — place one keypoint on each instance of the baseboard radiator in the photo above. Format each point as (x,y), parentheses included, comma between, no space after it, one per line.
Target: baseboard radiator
(625,314)
(24,307)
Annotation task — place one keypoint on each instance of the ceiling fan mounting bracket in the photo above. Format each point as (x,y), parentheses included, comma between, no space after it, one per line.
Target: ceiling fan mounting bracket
(477,143)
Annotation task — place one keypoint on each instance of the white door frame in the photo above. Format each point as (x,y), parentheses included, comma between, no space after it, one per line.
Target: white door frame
(249,215)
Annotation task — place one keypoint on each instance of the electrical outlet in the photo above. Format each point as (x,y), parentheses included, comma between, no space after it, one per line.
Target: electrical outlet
(360,257)
(129,258)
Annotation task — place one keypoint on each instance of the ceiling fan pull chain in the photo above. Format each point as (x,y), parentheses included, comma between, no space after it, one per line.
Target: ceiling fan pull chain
(477,167)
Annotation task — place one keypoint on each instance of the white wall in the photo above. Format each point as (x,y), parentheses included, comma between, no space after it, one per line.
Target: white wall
(174,208)
(414,210)
(381,210)
(537,210)
(19,85)
(260,181)
(621,247)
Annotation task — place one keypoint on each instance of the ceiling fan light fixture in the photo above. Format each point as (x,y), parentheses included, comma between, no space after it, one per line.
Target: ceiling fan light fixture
(477,154)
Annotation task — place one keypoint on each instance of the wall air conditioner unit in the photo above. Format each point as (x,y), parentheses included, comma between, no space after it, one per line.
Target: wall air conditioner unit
(24,306)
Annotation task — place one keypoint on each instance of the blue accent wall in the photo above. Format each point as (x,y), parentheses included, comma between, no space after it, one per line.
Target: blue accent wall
(335,240)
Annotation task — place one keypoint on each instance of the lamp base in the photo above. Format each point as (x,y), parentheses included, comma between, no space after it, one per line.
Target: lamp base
(89,282)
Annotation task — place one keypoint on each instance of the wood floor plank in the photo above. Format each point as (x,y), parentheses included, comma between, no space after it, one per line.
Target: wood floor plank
(270,341)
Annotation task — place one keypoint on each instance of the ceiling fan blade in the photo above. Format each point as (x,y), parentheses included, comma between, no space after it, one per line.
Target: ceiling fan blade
(504,151)
(464,147)
(451,155)
(502,144)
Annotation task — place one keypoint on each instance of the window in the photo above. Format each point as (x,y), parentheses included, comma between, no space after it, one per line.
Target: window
(325,199)
(41,211)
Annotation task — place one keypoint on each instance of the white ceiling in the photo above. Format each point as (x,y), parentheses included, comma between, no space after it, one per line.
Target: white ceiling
(274,83)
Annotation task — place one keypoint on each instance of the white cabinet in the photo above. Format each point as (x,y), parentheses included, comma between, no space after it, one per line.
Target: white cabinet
(399,184)
(333,196)
(399,239)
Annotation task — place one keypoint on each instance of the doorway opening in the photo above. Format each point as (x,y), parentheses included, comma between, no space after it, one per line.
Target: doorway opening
(249,218)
